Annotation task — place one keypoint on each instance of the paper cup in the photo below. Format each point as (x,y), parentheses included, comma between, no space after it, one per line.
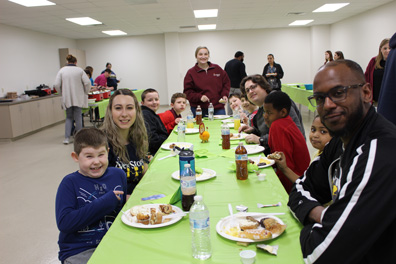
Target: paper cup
(247,256)
(261,176)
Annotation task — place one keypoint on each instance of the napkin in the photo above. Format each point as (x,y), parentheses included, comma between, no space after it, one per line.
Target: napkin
(251,167)
(169,199)
(228,154)
(203,153)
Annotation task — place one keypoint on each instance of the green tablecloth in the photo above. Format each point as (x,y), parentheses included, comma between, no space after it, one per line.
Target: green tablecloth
(298,95)
(172,244)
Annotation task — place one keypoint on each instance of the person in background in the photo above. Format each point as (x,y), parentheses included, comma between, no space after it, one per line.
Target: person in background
(112,78)
(88,200)
(250,108)
(156,130)
(386,102)
(319,136)
(206,83)
(375,69)
(328,56)
(272,73)
(285,136)
(256,89)
(236,71)
(171,118)
(90,69)
(101,80)
(338,55)
(74,85)
(127,136)
(355,175)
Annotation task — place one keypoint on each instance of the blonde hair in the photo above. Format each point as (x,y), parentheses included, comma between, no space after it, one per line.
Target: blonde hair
(199,48)
(137,132)
(379,56)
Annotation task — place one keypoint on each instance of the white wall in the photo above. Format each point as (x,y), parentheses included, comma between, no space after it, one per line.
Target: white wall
(28,58)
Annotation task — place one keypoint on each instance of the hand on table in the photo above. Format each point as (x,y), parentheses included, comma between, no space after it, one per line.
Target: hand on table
(252,138)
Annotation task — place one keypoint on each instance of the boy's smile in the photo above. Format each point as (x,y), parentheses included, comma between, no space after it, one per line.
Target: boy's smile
(93,162)
(152,101)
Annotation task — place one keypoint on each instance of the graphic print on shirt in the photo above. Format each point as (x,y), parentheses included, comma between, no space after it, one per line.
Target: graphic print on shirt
(86,197)
(133,169)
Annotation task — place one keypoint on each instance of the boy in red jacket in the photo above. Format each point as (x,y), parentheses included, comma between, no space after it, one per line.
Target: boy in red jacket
(285,136)
(172,117)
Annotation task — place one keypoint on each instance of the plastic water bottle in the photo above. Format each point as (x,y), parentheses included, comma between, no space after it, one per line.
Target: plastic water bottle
(200,229)
(188,187)
(190,120)
(211,111)
(181,131)
(237,119)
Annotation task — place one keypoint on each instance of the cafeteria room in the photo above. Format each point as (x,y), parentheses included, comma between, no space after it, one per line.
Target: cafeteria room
(156,49)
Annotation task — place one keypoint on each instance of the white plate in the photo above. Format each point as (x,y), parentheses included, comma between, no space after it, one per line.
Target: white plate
(270,162)
(130,220)
(241,136)
(221,116)
(253,149)
(206,175)
(229,120)
(230,125)
(225,222)
(179,144)
(191,130)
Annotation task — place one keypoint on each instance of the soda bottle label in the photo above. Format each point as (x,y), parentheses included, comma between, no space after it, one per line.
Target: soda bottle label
(198,113)
(200,223)
(225,131)
(241,156)
(188,183)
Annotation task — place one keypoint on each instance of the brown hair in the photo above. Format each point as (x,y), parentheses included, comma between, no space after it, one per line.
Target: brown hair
(148,90)
(330,56)
(89,137)
(200,47)
(71,59)
(379,56)
(340,55)
(258,79)
(89,68)
(137,132)
(177,95)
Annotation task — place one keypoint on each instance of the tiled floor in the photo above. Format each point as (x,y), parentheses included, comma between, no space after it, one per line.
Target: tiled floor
(31,169)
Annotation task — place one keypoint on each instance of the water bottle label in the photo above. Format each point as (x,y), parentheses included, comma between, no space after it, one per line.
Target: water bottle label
(181,128)
(200,223)
(189,117)
(241,156)
(225,131)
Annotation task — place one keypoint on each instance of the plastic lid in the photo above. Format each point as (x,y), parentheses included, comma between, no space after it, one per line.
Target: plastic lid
(187,165)
(198,198)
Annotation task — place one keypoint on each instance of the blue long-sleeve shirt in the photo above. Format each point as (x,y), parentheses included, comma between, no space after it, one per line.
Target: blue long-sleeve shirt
(85,209)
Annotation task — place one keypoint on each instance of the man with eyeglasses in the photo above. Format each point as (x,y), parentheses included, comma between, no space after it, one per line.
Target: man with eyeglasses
(346,197)
(257,88)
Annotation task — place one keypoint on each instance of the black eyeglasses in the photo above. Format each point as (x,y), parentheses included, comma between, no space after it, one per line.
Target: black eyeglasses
(335,94)
(251,88)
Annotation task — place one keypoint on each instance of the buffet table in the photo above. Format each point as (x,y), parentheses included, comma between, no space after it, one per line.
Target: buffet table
(172,244)
(298,94)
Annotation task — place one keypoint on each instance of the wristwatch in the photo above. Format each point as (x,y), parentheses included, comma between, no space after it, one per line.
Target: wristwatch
(261,140)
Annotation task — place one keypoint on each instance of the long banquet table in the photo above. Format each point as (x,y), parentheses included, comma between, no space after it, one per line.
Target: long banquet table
(298,94)
(172,244)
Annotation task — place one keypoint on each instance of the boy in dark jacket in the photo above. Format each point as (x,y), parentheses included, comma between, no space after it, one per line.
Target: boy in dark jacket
(155,128)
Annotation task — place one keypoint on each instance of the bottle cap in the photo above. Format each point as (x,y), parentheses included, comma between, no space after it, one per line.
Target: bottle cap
(198,198)
(187,165)
(240,143)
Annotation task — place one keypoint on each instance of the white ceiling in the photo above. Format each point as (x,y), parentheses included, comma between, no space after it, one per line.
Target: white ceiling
(141,17)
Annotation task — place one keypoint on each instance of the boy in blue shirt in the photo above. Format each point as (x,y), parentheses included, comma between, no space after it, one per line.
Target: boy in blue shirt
(88,200)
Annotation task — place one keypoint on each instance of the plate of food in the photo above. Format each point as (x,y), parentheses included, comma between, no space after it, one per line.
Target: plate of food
(262,162)
(151,215)
(250,227)
(221,116)
(237,136)
(203,175)
(252,149)
(170,146)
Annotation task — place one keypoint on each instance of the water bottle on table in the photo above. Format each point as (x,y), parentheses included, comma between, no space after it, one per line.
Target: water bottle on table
(210,111)
(237,119)
(188,187)
(181,131)
(200,229)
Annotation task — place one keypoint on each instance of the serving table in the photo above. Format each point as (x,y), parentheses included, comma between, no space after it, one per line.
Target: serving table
(298,94)
(172,244)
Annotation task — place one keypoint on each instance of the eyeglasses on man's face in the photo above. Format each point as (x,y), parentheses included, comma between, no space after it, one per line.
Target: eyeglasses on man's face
(336,94)
(251,88)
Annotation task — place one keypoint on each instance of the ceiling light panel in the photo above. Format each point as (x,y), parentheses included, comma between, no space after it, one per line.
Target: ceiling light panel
(330,7)
(114,32)
(300,22)
(207,27)
(32,3)
(84,21)
(206,13)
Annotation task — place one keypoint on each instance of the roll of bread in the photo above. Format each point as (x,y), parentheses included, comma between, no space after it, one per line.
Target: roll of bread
(255,234)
